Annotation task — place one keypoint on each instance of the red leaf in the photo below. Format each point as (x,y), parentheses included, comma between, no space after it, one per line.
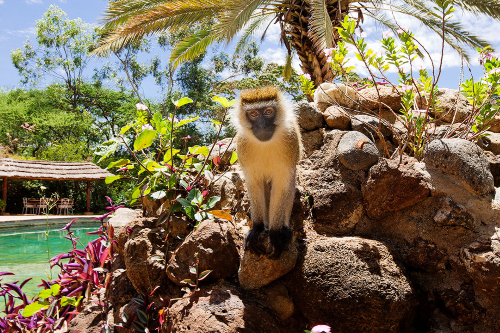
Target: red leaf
(104,256)
(216,160)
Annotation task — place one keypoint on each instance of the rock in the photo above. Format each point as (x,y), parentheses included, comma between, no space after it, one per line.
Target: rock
(425,255)
(308,117)
(495,124)
(224,148)
(333,189)
(90,319)
(218,308)
(358,123)
(120,290)
(122,217)
(463,159)
(391,186)
(215,243)
(483,266)
(452,214)
(259,270)
(277,297)
(452,105)
(143,257)
(369,99)
(230,187)
(312,141)
(353,284)
(491,142)
(335,117)
(328,94)
(357,152)
(494,162)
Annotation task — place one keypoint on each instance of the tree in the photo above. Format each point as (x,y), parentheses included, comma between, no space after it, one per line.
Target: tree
(61,53)
(307,26)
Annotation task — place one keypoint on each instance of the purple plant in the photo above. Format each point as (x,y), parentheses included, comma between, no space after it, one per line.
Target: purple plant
(60,300)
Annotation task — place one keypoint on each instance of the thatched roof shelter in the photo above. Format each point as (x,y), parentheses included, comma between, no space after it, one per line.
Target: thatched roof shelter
(49,170)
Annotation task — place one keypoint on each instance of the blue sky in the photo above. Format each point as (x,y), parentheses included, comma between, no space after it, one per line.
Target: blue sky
(17,22)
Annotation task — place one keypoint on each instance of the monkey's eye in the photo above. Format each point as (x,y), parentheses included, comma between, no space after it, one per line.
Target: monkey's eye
(253,114)
(268,112)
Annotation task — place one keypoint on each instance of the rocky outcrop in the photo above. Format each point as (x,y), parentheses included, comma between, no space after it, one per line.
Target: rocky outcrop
(463,159)
(309,118)
(337,118)
(328,94)
(218,308)
(392,186)
(214,245)
(352,284)
(357,152)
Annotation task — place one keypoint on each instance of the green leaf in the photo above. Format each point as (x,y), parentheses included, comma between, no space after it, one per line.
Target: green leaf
(138,326)
(190,211)
(143,317)
(215,122)
(137,192)
(30,309)
(184,202)
(197,150)
(212,201)
(182,101)
(55,289)
(192,270)
(110,179)
(195,196)
(223,101)
(125,128)
(158,195)
(44,294)
(204,274)
(198,217)
(208,175)
(169,154)
(187,121)
(68,301)
(145,139)
(188,281)
(117,164)
(234,157)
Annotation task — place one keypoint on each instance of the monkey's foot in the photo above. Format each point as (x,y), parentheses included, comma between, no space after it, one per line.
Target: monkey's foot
(279,239)
(252,240)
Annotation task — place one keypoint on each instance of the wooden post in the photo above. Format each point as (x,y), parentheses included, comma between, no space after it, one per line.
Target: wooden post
(88,197)
(4,197)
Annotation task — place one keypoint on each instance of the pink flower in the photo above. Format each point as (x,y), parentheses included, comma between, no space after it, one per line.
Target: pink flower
(405,68)
(495,70)
(147,126)
(406,87)
(141,106)
(329,59)
(420,67)
(204,193)
(307,76)
(387,34)
(349,47)
(321,328)
(8,134)
(402,29)
(15,139)
(328,52)
(362,34)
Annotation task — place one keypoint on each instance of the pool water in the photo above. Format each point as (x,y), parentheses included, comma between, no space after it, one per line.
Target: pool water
(23,251)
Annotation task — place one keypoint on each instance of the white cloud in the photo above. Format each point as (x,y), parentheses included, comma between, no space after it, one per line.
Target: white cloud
(2,2)
(22,32)
(33,1)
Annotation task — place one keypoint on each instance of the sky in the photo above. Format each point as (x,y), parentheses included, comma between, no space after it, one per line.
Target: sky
(17,23)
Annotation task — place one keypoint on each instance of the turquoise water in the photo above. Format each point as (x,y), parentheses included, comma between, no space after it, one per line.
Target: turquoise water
(23,251)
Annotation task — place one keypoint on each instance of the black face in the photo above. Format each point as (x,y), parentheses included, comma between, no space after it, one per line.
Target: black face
(262,121)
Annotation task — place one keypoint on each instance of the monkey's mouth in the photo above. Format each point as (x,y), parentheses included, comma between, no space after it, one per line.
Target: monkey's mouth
(264,133)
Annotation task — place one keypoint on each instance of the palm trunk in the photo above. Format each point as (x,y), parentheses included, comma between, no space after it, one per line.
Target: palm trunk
(304,41)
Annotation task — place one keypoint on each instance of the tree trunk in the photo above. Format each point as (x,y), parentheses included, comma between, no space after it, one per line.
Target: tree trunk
(304,41)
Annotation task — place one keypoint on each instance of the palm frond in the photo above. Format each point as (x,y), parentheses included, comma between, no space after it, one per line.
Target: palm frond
(480,7)
(287,70)
(169,16)
(236,15)
(321,24)
(254,25)
(191,47)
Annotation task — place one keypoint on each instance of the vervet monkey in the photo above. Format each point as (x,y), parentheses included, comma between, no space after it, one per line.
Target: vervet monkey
(269,147)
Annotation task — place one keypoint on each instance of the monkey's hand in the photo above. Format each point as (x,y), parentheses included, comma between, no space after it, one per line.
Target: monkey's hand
(252,240)
(279,239)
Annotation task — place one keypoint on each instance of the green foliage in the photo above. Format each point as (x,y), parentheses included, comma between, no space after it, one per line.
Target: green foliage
(3,204)
(418,93)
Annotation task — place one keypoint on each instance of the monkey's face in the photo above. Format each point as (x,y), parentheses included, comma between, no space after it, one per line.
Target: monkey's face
(262,121)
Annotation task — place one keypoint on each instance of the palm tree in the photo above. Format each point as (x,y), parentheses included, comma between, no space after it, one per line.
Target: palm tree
(307,26)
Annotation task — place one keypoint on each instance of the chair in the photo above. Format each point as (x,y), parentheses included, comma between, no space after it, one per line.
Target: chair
(66,205)
(28,205)
(42,206)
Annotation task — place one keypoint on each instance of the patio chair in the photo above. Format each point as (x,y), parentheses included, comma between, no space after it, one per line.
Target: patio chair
(42,206)
(28,205)
(65,205)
